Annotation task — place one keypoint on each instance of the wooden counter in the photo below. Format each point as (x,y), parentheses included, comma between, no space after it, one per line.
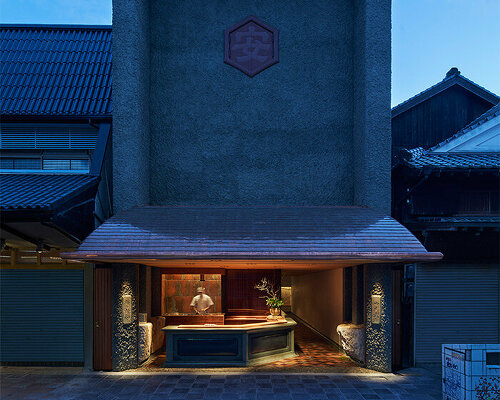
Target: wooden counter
(229,345)
(195,319)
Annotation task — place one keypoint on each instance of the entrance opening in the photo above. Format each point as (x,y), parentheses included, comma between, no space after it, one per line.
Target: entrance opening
(236,301)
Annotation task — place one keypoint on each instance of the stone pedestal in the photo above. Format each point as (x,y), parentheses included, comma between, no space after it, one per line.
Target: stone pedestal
(145,339)
(352,338)
(158,336)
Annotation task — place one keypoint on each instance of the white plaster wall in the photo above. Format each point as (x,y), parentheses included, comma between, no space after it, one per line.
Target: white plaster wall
(317,298)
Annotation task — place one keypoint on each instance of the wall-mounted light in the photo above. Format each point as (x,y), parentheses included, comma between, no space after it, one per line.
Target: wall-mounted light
(39,247)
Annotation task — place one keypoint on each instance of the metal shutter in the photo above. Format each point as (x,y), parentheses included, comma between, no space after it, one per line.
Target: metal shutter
(41,315)
(455,303)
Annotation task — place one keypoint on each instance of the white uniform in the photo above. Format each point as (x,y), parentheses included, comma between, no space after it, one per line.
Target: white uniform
(200,302)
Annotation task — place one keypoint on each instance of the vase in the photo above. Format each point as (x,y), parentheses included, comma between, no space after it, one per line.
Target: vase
(275,312)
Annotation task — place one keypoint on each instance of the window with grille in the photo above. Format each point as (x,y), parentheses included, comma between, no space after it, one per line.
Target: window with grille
(20,163)
(18,136)
(61,164)
(43,163)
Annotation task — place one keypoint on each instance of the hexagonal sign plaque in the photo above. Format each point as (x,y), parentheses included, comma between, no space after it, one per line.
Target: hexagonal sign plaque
(251,46)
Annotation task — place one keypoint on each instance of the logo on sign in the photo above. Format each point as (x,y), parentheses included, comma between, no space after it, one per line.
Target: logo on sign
(251,46)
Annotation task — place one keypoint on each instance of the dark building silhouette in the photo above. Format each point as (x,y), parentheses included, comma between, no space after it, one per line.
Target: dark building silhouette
(438,112)
(447,194)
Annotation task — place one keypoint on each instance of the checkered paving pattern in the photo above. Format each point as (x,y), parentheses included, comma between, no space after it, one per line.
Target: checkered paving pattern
(314,351)
(171,386)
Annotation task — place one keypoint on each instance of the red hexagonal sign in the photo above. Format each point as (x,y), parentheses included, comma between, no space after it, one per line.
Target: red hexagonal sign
(251,46)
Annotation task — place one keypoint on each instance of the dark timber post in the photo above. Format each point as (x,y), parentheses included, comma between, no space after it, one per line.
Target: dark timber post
(358,295)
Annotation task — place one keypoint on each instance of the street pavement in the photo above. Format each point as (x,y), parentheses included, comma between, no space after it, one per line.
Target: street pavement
(18,383)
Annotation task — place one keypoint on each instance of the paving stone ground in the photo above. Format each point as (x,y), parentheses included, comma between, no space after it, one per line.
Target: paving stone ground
(18,383)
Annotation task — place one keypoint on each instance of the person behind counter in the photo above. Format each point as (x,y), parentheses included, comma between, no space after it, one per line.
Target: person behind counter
(202,302)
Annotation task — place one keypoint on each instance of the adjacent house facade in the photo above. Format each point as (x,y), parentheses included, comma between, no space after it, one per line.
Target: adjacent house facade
(55,183)
(448,196)
(438,112)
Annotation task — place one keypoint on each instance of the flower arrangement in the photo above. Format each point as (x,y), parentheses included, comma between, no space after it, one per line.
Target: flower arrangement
(272,295)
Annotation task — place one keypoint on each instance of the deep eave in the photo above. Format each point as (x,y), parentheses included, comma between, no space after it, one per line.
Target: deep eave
(251,237)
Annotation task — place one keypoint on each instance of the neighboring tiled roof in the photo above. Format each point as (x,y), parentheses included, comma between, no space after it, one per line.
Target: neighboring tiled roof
(41,191)
(416,152)
(487,116)
(272,233)
(456,160)
(462,219)
(55,70)
(453,77)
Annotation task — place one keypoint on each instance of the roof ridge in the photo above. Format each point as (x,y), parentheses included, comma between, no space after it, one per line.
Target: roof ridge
(447,78)
(451,78)
(478,85)
(55,26)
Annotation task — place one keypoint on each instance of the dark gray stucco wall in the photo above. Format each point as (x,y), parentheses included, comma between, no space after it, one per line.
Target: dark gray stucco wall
(124,335)
(312,129)
(130,103)
(378,337)
(372,97)
(281,137)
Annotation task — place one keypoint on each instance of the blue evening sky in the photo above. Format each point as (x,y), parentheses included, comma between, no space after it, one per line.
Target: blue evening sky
(428,36)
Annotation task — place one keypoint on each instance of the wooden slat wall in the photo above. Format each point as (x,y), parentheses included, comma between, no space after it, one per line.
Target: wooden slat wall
(436,119)
(240,292)
(103,324)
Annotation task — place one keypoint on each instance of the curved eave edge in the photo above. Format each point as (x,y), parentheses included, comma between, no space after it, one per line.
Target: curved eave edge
(274,256)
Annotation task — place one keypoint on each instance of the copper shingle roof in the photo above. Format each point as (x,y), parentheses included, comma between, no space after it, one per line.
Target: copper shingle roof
(55,70)
(272,233)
